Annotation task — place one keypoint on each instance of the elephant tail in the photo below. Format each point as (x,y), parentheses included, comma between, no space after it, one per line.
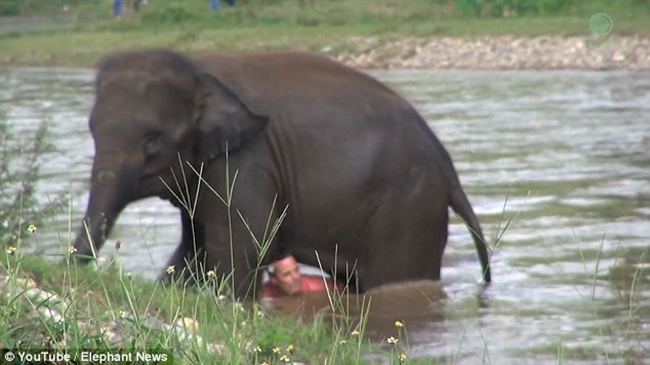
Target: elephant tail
(461,205)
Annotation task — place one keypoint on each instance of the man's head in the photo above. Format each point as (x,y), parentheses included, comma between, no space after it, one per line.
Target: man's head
(286,274)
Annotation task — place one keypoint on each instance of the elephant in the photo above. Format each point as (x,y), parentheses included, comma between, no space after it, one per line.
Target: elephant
(359,181)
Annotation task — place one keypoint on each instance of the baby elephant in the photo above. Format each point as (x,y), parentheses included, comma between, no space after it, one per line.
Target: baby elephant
(236,142)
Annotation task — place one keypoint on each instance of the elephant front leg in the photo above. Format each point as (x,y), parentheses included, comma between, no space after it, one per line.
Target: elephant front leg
(188,260)
(234,251)
(236,265)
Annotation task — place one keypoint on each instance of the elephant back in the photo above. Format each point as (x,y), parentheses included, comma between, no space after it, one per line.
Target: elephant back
(283,82)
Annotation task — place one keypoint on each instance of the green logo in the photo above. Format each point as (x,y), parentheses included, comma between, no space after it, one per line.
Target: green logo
(601,24)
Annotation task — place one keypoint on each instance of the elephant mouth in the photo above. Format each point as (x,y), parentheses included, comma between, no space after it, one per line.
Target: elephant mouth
(156,184)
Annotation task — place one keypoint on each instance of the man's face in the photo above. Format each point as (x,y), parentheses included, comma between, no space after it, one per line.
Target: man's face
(287,275)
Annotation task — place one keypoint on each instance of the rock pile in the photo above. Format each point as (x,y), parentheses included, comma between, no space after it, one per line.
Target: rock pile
(48,308)
(500,53)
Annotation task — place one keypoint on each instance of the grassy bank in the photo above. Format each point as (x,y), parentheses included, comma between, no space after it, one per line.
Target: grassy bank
(90,30)
(61,308)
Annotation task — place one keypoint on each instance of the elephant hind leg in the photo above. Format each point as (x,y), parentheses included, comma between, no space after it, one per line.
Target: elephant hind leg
(405,241)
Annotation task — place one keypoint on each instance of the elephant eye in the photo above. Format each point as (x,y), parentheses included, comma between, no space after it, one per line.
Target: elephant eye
(152,143)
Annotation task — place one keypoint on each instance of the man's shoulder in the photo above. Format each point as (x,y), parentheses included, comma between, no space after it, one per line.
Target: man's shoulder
(313,283)
(270,290)
(312,279)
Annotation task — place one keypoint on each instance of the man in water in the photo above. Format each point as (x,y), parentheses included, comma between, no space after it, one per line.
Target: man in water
(285,279)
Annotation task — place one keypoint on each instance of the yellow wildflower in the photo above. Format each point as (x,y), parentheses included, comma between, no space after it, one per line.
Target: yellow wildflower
(264,362)
(11,250)
(402,357)
(31,228)
(343,342)
(212,274)
(399,324)
(72,249)
(276,350)
(284,358)
(290,348)
(257,349)
(355,332)
(392,340)
(170,269)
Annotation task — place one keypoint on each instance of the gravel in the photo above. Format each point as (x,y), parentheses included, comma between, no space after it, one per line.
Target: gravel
(500,53)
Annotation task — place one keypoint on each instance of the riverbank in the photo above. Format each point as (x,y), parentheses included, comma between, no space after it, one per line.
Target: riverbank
(501,53)
(420,34)
(64,309)
(490,52)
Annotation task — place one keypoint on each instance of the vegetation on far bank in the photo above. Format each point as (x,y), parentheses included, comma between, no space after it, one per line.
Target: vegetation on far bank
(87,29)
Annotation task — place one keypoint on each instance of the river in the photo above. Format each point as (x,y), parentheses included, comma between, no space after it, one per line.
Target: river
(556,165)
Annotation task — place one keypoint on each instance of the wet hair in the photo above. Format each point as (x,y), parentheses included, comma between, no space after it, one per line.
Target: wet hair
(276,255)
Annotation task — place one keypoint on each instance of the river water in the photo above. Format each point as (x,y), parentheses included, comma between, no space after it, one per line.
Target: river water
(556,164)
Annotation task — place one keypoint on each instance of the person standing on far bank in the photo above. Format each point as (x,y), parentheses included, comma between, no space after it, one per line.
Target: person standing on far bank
(216,4)
(117,8)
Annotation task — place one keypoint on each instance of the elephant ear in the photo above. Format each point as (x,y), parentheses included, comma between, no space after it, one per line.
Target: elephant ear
(225,122)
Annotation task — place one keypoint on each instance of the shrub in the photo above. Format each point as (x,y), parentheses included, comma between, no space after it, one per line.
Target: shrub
(19,172)
(10,7)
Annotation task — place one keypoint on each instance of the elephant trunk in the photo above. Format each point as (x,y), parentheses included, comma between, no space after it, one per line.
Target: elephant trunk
(109,194)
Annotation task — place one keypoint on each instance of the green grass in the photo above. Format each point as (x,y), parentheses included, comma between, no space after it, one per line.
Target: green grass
(92,301)
(289,24)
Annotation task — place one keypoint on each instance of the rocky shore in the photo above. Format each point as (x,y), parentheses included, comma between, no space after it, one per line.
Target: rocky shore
(500,53)
(43,308)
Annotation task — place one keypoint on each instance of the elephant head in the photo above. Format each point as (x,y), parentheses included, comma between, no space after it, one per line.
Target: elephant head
(156,114)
